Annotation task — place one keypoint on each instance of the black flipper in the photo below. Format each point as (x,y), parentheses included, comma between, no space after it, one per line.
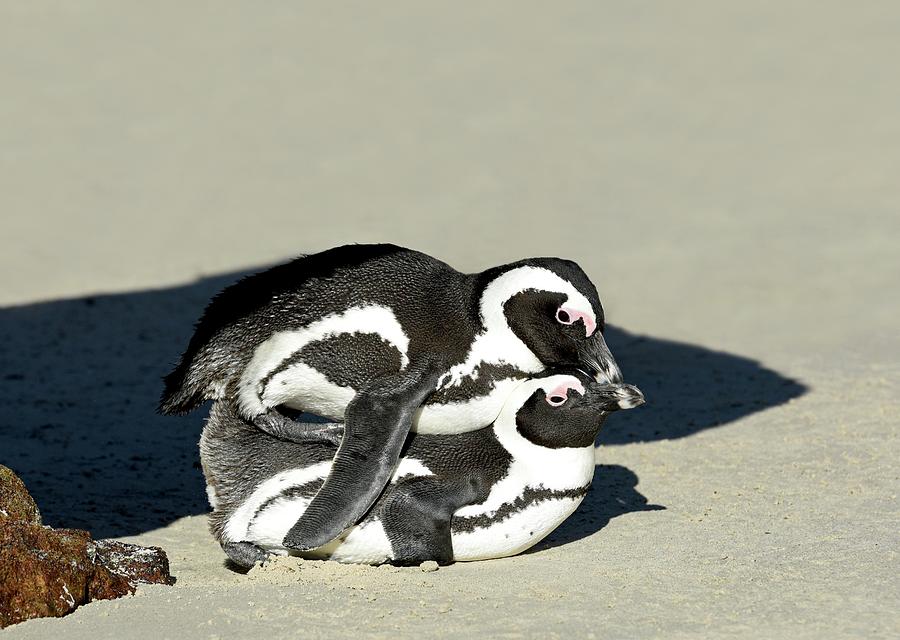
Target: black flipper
(417,515)
(284,428)
(377,422)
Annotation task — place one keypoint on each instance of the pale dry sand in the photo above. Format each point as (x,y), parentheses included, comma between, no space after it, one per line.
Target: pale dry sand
(728,176)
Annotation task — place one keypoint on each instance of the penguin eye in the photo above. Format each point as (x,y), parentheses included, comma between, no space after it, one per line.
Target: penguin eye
(570,315)
(558,395)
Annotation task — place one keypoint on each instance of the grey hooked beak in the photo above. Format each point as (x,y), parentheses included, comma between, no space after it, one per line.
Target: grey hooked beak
(628,396)
(597,359)
(612,397)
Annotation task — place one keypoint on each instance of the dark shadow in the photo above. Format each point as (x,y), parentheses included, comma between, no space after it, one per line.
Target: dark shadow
(688,388)
(234,567)
(80,380)
(613,493)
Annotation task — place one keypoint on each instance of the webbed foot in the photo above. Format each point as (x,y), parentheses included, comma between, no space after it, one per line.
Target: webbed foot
(245,554)
(284,428)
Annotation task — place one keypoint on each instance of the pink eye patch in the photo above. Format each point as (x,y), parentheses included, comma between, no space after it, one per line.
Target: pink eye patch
(570,315)
(560,393)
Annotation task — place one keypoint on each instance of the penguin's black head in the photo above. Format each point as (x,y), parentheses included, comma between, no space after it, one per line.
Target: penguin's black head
(568,409)
(553,308)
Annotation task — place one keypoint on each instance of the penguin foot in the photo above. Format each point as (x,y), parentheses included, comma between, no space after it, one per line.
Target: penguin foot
(244,554)
(284,428)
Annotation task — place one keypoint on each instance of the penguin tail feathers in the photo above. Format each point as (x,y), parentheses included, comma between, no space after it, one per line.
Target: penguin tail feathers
(179,396)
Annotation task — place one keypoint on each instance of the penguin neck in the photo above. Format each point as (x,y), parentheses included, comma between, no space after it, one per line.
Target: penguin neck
(552,468)
(495,342)
(497,339)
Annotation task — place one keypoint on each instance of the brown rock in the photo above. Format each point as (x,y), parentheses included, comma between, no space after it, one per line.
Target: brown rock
(137,564)
(50,572)
(15,501)
(47,572)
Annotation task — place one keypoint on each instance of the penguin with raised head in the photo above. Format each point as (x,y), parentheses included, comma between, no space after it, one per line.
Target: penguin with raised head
(484,494)
(384,339)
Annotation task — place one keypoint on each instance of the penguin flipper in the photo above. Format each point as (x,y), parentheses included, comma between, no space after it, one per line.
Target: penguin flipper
(418,513)
(377,422)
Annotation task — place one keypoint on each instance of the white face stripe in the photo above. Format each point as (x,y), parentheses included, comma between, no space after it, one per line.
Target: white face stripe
(271,353)
(520,279)
(497,343)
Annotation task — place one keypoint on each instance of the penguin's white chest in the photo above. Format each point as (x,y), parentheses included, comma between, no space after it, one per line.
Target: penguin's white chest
(542,488)
(513,533)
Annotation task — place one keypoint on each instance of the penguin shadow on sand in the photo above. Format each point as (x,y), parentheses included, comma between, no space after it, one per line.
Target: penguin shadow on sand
(80,380)
(613,493)
(689,388)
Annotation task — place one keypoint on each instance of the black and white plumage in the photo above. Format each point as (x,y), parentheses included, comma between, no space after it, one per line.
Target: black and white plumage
(384,339)
(483,494)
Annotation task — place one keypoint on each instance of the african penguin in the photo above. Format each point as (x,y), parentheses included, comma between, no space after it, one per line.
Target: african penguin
(483,494)
(384,339)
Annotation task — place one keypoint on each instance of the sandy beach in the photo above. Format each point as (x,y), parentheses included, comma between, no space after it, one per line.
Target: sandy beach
(727,176)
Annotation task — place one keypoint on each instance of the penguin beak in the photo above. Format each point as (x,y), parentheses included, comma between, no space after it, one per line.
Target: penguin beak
(628,396)
(612,397)
(598,361)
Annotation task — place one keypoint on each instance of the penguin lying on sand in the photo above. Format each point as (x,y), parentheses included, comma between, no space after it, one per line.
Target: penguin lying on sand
(488,493)
(384,339)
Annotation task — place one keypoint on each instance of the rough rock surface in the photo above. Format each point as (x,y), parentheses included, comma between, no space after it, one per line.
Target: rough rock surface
(134,562)
(15,501)
(50,572)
